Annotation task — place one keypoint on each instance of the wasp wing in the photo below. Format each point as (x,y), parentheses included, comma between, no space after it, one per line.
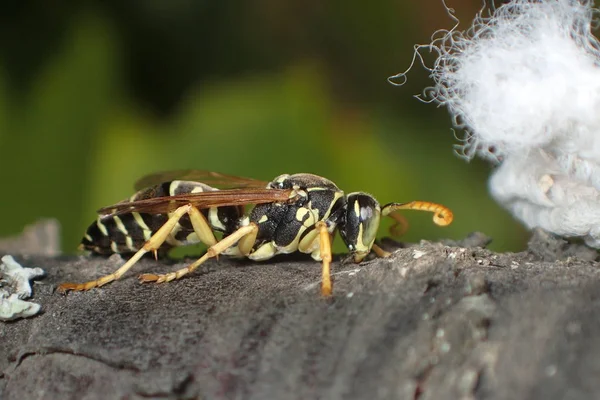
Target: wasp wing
(211,178)
(218,198)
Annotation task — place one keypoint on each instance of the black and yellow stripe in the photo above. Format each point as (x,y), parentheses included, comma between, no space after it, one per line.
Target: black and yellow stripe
(127,233)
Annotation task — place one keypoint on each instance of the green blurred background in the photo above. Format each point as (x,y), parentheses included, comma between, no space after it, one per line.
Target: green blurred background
(94,95)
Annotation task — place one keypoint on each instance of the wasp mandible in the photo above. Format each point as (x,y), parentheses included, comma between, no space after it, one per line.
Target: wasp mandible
(299,212)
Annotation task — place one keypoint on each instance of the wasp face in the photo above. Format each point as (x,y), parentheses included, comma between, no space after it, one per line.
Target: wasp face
(359,227)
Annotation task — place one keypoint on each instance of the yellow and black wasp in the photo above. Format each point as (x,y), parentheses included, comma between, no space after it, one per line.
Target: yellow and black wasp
(299,212)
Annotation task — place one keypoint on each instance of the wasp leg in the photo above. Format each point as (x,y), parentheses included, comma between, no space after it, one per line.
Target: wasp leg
(151,245)
(321,236)
(380,252)
(325,249)
(201,227)
(246,243)
(212,251)
(400,227)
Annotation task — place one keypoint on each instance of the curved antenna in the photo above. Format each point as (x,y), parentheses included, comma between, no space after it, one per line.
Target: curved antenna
(442,215)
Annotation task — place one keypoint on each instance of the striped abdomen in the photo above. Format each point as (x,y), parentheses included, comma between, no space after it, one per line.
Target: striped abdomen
(127,233)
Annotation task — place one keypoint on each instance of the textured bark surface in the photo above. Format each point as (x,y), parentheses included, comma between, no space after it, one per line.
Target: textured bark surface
(436,320)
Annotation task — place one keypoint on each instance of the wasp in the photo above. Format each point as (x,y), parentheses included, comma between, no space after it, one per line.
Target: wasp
(299,212)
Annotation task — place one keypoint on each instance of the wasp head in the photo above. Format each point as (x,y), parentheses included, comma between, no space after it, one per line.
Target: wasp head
(358,228)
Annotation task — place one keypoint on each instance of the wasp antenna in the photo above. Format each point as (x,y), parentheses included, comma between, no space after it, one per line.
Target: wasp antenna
(442,215)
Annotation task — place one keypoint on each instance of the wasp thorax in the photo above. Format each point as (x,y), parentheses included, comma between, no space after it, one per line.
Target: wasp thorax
(359,227)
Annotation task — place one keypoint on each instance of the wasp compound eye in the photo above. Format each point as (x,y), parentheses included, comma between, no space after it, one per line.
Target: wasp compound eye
(360,226)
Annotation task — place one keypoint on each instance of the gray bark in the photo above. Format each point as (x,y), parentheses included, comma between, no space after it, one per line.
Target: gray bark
(435,321)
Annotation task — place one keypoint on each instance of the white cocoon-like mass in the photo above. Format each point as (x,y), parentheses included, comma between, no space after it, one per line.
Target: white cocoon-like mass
(523,84)
(525,77)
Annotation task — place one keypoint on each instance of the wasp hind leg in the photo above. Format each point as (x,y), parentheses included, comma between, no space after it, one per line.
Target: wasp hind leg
(201,228)
(242,235)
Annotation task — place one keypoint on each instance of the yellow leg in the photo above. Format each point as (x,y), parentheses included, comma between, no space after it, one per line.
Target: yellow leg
(151,245)
(212,251)
(325,249)
(400,227)
(246,243)
(201,227)
(380,252)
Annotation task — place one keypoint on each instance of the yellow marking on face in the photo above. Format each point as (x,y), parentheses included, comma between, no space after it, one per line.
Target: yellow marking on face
(120,225)
(357,209)
(360,246)
(114,247)
(213,218)
(88,237)
(262,219)
(102,227)
(140,221)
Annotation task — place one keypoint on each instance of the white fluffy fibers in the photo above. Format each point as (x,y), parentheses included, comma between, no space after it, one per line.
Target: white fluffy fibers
(523,84)
(523,78)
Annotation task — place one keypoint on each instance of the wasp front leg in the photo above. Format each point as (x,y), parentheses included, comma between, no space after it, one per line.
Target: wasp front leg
(400,226)
(380,252)
(320,239)
(325,249)
(248,231)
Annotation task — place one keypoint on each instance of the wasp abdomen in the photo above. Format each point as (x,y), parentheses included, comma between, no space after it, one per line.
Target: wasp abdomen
(127,233)
(124,233)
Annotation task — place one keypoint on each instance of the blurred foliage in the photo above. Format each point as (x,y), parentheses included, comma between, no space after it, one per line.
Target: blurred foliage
(96,95)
